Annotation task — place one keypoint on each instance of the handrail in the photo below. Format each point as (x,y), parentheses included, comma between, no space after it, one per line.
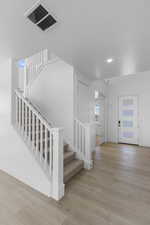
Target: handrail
(33,69)
(36,70)
(81,123)
(44,141)
(34,109)
(83,142)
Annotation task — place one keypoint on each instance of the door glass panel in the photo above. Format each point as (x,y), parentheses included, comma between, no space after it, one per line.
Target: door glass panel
(127,123)
(127,113)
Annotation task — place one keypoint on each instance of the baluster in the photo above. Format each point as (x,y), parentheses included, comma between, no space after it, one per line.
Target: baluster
(50,150)
(41,58)
(33,131)
(17,110)
(37,135)
(76,136)
(19,114)
(46,146)
(41,141)
(88,162)
(26,121)
(79,138)
(82,139)
(23,117)
(29,124)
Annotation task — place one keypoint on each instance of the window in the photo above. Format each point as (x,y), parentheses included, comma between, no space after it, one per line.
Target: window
(97,109)
(96,94)
(21,63)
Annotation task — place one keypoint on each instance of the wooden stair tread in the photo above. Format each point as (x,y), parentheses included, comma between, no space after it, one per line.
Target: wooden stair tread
(68,156)
(66,147)
(72,169)
(68,153)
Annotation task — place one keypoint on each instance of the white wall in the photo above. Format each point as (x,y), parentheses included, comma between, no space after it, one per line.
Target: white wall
(52,93)
(15,158)
(5,100)
(79,80)
(99,85)
(139,85)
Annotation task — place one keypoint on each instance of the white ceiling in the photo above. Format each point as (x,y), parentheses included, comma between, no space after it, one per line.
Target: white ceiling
(87,33)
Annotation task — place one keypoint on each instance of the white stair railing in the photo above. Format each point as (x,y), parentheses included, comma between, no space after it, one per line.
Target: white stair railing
(32,72)
(83,142)
(33,66)
(45,142)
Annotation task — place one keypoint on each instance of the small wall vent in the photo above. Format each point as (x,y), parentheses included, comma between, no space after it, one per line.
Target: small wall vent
(41,17)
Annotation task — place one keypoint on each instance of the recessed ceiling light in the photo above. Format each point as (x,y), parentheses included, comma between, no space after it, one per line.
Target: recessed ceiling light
(110,60)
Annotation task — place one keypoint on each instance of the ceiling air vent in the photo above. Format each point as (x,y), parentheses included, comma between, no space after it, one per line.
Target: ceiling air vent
(47,22)
(41,17)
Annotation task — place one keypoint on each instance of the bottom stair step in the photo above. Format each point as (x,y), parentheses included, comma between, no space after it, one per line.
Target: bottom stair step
(72,168)
(68,157)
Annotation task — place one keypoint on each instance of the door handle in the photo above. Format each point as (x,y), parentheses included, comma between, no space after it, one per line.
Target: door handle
(119,123)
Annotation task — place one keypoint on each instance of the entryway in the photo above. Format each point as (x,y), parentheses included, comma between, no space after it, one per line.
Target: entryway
(100,118)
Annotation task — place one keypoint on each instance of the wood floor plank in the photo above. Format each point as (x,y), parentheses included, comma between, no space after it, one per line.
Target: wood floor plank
(115,192)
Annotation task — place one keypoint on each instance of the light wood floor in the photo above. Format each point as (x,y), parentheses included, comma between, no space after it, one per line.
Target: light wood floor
(115,192)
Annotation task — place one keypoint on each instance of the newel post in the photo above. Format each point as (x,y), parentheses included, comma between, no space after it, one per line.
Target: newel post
(58,164)
(88,162)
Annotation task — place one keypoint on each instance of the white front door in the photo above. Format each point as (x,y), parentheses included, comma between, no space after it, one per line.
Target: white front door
(128,119)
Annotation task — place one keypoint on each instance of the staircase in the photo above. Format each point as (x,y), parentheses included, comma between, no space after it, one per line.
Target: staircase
(46,143)
(59,161)
(72,166)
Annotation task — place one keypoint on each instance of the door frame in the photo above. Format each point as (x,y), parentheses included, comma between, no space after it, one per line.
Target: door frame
(79,82)
(124,95)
